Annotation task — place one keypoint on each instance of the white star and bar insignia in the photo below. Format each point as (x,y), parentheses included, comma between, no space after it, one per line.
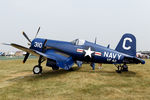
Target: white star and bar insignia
(89,52)
(98,53)
(80,50)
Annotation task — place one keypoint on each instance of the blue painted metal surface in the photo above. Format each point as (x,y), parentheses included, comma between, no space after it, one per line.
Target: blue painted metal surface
(66,53)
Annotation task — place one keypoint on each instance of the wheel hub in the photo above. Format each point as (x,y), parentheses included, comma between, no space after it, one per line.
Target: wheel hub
(37,70)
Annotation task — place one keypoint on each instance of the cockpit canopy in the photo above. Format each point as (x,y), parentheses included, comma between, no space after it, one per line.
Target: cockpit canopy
(78,42)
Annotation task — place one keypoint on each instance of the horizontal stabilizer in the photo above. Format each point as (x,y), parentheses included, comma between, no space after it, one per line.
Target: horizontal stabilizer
(133,60)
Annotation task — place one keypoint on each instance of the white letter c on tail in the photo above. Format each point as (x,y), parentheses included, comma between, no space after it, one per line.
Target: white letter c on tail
(124,43)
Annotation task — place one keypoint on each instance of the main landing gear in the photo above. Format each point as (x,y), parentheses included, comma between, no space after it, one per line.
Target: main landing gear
(122,68)
(38,68)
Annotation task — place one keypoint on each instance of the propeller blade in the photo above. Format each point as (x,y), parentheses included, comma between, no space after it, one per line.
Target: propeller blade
(24,34)
(43,49)
(26,57)
(37,32)
(29,44)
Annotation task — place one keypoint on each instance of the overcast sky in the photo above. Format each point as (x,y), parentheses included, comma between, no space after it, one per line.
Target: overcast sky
(66,20)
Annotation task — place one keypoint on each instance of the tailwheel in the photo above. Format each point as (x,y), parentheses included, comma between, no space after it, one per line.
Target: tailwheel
(125,68)
(122,68)
(37,69)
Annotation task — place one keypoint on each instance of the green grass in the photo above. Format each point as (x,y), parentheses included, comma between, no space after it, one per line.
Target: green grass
(17,82)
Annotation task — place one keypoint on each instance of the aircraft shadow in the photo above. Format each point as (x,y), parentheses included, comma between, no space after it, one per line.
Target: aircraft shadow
(50,74)
(128,74)
(109,73)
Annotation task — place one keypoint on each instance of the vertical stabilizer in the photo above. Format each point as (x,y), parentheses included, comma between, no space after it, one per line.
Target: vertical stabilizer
(127,44)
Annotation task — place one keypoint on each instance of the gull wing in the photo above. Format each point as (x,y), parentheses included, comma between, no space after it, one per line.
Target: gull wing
(62,60)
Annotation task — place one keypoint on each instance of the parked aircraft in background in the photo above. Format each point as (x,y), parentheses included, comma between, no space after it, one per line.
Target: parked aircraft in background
(1,53)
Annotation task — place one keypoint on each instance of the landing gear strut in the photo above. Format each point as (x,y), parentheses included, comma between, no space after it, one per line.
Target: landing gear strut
(122,68)
(38,68)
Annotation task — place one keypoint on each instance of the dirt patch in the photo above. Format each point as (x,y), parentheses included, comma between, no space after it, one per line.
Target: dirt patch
(11,79)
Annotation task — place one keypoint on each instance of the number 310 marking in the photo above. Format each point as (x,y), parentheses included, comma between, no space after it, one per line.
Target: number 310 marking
(38,45)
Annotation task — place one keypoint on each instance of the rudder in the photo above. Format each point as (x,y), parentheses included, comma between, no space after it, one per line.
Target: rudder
(127,44)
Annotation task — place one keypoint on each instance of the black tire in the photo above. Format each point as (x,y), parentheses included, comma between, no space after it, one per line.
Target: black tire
(37,69)
(125,68)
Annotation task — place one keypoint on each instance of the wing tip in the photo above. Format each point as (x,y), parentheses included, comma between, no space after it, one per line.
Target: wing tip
(5,44)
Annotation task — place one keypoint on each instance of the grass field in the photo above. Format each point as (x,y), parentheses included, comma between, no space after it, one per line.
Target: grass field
(17,82)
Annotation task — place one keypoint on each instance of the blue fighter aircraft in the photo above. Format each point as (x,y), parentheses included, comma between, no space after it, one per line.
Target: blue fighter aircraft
(61,54)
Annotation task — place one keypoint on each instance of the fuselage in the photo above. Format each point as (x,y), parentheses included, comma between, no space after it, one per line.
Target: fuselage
(88,51)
